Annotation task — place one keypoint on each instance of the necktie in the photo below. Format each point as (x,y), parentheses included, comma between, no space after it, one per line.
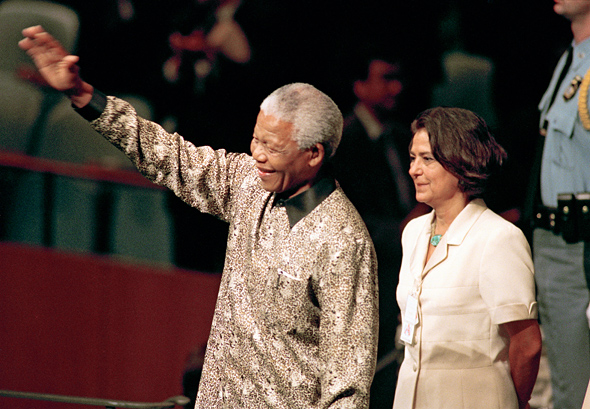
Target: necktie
(566,67)
(533,191)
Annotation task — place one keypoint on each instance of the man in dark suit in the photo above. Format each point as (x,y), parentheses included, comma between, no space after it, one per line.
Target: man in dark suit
(372,165)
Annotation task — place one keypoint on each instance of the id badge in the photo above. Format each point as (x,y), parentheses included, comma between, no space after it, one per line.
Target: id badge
(410,320)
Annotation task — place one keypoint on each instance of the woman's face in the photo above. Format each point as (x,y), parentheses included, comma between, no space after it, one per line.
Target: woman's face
(434,185)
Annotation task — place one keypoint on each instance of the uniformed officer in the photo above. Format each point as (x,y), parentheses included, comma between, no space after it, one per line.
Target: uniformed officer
(561,235)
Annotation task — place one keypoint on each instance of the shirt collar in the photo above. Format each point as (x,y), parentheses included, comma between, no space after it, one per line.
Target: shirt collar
(299,206)
(373,127)
(580,51)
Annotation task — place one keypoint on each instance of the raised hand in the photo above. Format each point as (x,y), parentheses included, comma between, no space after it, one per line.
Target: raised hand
(55,65)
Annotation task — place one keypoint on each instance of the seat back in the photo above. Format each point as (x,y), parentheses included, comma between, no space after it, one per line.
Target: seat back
(23,105)
(15,15)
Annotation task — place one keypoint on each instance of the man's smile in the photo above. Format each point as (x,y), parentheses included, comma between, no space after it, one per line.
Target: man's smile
(264,172)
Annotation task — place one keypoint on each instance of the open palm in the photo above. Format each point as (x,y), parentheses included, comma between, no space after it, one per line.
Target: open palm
(56,67)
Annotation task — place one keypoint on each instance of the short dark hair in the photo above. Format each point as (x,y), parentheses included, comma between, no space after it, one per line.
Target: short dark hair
(463,144)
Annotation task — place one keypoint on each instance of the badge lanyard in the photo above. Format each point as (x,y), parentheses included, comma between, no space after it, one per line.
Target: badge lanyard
(410,319)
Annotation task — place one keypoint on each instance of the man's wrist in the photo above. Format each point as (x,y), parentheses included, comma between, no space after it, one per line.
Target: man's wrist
(81,94)
(94,107)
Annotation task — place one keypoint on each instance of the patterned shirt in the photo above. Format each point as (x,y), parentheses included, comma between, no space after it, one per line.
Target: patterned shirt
(296,320)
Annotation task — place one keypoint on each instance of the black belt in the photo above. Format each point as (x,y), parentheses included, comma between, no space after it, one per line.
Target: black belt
(546,218)
(571,218)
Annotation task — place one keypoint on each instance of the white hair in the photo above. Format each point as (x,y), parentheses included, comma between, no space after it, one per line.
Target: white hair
(314,115)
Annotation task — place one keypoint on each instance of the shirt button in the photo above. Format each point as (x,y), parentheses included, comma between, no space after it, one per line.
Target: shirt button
(415,366)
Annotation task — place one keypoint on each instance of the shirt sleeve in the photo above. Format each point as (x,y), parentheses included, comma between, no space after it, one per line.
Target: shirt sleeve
(348,299)
(202,177)
(506,278)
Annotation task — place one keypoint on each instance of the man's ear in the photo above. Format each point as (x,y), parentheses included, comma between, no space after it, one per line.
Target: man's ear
(317,155)
(359,89)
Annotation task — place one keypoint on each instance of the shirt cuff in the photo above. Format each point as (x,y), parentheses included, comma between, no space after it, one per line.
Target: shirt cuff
(94,108)
(514,312)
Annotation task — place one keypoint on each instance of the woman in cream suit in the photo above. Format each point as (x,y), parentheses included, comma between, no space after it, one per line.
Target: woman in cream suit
(466,289)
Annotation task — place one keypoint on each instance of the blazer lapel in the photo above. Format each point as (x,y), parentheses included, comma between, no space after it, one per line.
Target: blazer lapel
(456,233)
(438,255)
(421,248)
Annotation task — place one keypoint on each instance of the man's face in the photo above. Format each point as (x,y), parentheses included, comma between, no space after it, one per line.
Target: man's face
(572,9)
(282,166)
(381,89)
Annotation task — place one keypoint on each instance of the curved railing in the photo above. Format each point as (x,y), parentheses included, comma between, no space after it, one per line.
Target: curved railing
(106,180)
(106,403)
(88,171)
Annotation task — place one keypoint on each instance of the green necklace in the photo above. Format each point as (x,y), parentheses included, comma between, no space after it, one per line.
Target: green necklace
(434,238)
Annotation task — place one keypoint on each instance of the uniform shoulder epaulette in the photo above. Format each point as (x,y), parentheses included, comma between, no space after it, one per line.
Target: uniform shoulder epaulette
(583,101)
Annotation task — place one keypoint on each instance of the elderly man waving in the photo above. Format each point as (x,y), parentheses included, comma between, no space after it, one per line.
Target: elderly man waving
(296,320)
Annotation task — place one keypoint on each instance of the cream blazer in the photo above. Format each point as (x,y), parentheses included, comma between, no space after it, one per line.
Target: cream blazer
(586,404)
(479,276)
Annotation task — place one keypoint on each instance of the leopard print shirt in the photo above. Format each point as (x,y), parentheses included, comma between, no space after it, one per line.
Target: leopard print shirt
(296,320)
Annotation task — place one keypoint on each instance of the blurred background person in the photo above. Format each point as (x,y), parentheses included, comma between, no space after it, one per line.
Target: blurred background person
(205,80)
(371,165)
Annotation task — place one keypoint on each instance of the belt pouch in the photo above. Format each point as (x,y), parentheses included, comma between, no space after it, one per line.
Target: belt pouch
(566,208)
(583,215)
(546,219)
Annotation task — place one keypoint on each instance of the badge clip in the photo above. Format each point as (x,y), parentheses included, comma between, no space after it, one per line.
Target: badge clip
(572,88)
